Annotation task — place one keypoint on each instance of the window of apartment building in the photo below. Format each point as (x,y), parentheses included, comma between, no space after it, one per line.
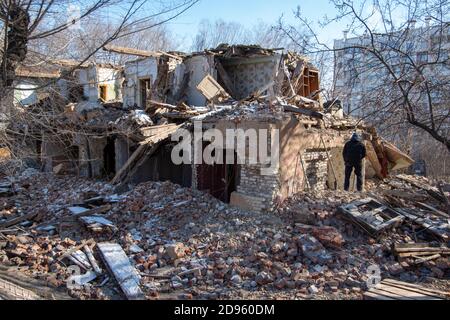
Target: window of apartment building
(422,57)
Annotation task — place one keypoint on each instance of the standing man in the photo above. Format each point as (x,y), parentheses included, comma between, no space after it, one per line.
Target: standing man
(354,153)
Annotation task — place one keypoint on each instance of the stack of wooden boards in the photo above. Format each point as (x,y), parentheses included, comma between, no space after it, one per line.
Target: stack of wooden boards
(390,289)
(419,252)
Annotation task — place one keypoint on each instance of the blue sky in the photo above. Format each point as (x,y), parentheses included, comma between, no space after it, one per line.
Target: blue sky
(248,12)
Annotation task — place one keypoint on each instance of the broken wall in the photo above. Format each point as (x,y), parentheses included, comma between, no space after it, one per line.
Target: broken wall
(91,155)
(248,75)
(28,91)
(94,76)
(198,67)
(303,151)
(254,191)
(146,68)
(56,150)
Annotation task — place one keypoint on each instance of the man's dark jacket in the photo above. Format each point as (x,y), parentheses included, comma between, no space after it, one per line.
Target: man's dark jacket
(354,152)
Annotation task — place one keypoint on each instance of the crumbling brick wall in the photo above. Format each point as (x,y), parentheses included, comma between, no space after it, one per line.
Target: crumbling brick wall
(256,192)
(316,168)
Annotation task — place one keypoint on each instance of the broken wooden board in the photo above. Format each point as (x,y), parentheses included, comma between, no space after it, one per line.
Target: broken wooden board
(17,220)
(80,259)
(433,210)
(371,215)
(131,51)
(373,159)
(119,265)
(212,90)
(228,83)
(397,157)
(434,192)
(304,111)
(92,260)
(411,196)
(390,289)
(439,227)
(145,149)
(419,252)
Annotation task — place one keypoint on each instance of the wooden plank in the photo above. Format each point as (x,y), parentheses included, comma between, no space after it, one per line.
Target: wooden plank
(405,293)
(373,159)
(304,111)
(16,220)
(76,248)
(119,265)
(412,286)
(131,51)
(433,209)
(396,296)
(92,260)
(229,87)
(139,151)
(369,295)
(426,249)
(79,258)
(422,260)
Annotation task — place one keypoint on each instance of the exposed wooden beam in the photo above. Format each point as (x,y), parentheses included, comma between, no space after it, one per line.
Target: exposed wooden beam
(131,51)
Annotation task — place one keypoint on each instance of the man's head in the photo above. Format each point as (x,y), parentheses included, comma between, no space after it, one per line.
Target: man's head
(356,137)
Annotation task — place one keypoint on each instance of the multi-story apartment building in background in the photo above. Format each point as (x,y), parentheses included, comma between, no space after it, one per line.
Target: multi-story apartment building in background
(361,79)
(418,57)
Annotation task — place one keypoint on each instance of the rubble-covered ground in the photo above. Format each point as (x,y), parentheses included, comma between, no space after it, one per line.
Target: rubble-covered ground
(186,244)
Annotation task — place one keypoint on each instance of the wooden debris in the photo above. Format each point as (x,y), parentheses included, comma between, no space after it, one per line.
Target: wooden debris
(6,189)
(212,90)
(304,111)
(228,83)
(419,252)
(92,260)
(131,51)
(17,220)
(438,227)
(433,210)
(119,265)
(76,248)
(371,215)
(80,259)
(145,150)
(390,289)
(433,193)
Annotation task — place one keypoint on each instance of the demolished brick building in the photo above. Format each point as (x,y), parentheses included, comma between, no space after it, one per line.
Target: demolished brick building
(129,136)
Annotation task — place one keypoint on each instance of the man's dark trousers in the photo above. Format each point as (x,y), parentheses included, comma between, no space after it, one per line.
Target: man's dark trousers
(358,172)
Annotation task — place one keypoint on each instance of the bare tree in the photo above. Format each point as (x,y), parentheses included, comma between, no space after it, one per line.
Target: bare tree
(212,34)
(394,65)
(35,32)
(30,22)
